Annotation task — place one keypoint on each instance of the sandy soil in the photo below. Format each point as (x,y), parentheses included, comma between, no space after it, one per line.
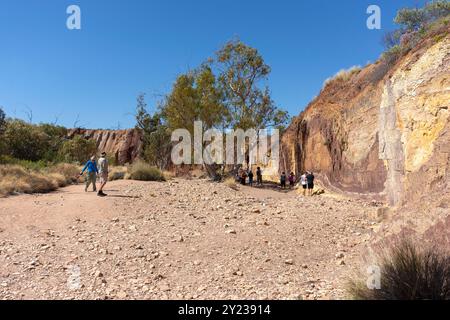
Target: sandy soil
(183,239)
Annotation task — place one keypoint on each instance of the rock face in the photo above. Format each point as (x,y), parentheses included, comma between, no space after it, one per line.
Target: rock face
(382,130)
(124,145)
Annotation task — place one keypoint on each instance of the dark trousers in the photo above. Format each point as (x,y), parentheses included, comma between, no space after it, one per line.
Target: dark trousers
(259,180)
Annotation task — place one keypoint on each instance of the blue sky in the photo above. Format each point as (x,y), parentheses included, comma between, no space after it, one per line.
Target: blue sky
(133,46)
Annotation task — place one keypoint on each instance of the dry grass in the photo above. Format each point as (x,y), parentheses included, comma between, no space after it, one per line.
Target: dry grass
(169,175)
(142,171)
(409,273)
(231,183)
(16,179)
(343,75)
(118,173)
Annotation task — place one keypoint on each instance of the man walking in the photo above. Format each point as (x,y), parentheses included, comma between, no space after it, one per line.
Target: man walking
(310,180)
(91,176)
(259,176)
(103,171)
(250,178)
(304,183)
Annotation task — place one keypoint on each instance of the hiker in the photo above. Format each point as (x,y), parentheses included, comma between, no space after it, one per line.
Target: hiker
(291,180)
(103,171)
(243,177)
(250,178)
(259,180)
(304,183)
(283,180)
(237,177)
(310,180)
(91,176)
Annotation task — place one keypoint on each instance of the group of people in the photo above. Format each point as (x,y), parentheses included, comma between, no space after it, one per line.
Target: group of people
(95,170)
(242,175)
(291,179)
(306,179)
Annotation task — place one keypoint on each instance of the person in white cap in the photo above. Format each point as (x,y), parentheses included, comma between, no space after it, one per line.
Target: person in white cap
(103,171)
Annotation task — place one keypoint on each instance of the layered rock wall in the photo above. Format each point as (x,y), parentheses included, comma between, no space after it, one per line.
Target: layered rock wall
(383,130)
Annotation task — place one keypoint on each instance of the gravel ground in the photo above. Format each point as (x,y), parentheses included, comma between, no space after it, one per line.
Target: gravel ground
(183,239)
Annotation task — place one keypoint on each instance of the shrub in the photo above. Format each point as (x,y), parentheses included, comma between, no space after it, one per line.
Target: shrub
(25,141)
(343,75)
(78,149)
(16,179)
(117,173)
(68,171)
(2,121)
(231,183)
(27,164)
(391,56)
(409,273)
(144,172)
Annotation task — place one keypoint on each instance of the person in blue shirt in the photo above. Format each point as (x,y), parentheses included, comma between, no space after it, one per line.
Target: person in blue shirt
(92,171)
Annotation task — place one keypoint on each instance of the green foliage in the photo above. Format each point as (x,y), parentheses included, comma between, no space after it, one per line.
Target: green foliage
(415,24)
(155,135)
(2,121)
(27,164)
(409,273)
(415,19)
(248,105)
(25,141)
(392,55)
(195,96)
(145,172)
(158,148)
(2,130)
(144,121)
(410,19)
(392,39)
(77,150)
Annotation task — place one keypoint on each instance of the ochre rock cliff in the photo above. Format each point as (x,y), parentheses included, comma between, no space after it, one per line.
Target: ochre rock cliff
(382,130)
(124,145)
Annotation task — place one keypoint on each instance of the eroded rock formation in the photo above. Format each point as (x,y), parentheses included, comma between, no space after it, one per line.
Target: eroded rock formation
(383,130)
(124,145)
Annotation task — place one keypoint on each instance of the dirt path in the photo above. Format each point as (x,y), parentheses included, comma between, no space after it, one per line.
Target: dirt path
(180,240)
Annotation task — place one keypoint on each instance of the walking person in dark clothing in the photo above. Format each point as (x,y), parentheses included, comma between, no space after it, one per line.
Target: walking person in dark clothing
(250,178)
(259,180)
(292,180)
(243,177)
(310,181)
(283,180)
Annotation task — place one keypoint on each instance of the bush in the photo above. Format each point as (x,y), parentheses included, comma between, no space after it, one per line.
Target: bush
(144,172)
(27,164)
(70,172)
(2,120)
(117,173)
(78,149)
(16,179)
(25,141)
(408,273)
(231,183)
(19,179)
(343,75)
(391,56)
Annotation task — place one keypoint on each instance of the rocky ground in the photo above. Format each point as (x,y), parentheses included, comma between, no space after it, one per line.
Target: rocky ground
(183,239)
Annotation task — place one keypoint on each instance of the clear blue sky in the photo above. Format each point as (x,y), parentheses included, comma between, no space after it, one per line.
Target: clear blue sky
(131,46)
